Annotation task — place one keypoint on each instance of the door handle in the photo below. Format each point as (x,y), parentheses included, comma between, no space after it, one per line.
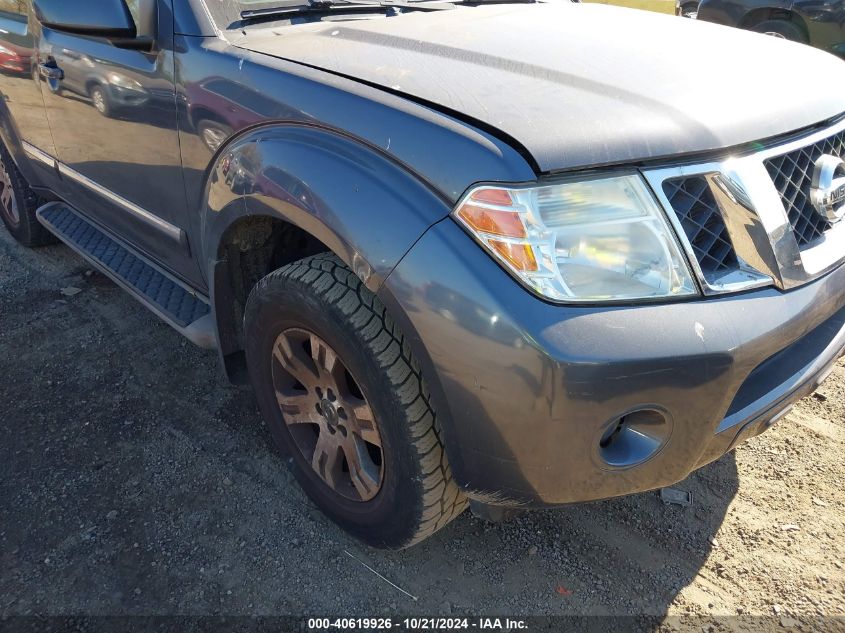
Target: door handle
(51,72)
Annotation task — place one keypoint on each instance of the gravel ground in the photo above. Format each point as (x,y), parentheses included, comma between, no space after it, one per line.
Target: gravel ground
(135,480)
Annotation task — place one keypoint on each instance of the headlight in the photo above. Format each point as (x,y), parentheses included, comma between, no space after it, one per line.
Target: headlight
(591,240)
(122,81)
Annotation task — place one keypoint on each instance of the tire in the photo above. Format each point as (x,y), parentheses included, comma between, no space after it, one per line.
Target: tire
(320,298)
(213,133)
(783,29)
(100,100)
(689,9)
(18,204)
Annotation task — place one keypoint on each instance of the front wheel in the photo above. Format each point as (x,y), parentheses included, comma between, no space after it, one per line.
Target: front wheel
(18,204)
(213,133)
(343,396)
(689,9)
(101,101)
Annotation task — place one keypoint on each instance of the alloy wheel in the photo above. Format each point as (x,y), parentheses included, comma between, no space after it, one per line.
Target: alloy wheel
(327,414)
(213,137)
(8,202)
(99,100)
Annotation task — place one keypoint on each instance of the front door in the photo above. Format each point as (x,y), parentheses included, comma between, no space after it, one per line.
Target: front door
(20,93)
(112,111)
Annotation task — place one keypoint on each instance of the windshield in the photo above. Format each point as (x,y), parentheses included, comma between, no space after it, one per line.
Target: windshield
(230,14)
(227,12)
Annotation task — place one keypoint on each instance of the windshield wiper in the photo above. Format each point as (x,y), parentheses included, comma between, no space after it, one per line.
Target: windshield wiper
(329,5)
(325,6)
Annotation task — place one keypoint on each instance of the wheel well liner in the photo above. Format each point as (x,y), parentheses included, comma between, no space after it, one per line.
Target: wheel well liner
(251,249)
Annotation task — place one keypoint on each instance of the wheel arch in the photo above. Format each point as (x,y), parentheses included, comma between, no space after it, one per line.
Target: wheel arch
(281,192)
(9,134)
(777,11)
(93,82)
(13,141)
(202,113)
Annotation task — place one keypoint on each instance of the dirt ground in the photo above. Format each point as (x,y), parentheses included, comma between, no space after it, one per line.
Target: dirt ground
(135,480)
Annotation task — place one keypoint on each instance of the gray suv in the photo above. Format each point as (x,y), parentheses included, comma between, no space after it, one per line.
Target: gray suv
(466,252)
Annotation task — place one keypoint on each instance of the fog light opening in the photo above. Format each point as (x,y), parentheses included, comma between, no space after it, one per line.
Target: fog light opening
(634,437)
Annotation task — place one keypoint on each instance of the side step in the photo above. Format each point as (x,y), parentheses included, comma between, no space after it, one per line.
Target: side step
(180,307)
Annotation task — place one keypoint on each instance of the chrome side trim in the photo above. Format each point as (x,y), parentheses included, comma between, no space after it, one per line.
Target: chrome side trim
(173,232)
(38,155)
(756,220)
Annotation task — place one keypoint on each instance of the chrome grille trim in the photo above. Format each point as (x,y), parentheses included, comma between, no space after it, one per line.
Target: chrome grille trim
(769,236)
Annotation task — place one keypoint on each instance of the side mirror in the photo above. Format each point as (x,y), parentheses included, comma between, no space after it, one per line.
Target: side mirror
(109,19)
(106,18)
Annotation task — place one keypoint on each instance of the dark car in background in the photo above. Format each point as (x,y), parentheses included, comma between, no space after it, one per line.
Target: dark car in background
(819,23)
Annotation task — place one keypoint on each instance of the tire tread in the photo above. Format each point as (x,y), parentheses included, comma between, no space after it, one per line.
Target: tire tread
(29,232)
(328,276)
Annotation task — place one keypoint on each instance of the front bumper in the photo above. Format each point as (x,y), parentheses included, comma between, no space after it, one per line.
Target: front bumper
(126,97)
(525,390)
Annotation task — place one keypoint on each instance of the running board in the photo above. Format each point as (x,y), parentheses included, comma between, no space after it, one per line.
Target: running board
(173,302)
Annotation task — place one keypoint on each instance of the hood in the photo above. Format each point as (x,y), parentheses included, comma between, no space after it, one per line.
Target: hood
(581,84)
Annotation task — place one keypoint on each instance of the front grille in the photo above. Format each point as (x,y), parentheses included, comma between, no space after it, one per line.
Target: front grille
(758,253)
(792,175)
(701,219)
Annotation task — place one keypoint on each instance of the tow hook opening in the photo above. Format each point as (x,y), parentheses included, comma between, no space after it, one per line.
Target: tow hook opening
(634,437)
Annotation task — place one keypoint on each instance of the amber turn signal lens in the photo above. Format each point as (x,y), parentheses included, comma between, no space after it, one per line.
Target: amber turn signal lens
(499,197)
(504,223)
(520,256)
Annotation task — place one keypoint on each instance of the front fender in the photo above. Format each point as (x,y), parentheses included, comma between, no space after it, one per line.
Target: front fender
(359,202)
(11,139)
